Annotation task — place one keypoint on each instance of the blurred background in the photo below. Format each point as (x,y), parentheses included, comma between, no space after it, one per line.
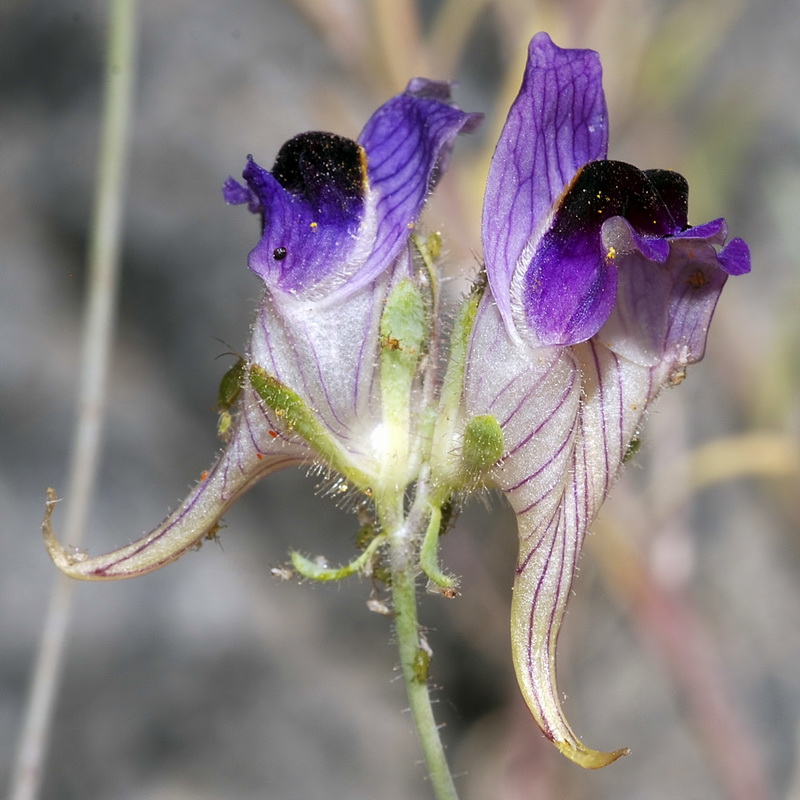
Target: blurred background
(212,679)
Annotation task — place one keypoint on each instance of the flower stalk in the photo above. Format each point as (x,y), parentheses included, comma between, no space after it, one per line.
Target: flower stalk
(411,647)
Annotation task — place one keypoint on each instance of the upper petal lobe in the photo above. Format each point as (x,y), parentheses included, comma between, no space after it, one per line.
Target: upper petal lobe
(555,126)
(336,213)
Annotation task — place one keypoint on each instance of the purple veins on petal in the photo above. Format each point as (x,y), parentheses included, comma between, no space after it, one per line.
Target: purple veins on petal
(600,293)
(557,123)
(335,212)
(663,310)
(408,143)
(245,460)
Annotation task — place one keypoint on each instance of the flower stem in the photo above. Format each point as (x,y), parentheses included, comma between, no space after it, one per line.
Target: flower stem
(413,662)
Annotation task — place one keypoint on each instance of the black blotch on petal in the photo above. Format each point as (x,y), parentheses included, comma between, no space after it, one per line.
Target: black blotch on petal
(325,170)
(653,202)
(673,189)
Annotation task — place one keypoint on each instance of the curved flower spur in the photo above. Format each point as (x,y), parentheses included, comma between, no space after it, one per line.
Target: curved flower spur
(600,294)
(338,217)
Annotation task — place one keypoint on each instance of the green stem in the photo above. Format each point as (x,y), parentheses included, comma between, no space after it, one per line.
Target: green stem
(408,642)
(429,554)
(308,569)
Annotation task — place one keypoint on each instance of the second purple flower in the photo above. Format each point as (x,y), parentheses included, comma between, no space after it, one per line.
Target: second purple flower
(600,294)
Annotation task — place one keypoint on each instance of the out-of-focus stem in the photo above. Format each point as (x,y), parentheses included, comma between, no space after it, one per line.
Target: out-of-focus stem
(398,37)
(105,236)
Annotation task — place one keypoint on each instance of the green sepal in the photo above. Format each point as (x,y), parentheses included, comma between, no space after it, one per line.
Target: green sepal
(633,448)
(230,387)
(429,555)
(403,329)
(459,343)
(363,564)
(403,332)
(447,467)
(298,418)
(481,446)
(429,248)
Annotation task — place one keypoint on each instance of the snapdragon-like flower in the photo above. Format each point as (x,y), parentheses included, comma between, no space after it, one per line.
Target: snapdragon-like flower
(334,255)
(600,294)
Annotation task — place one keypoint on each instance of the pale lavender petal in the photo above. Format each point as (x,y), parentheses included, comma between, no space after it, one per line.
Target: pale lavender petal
(254,451)
(614,396)
(599,295)
(638,325)
(663,310)
(328,355)
(697,281)
(567,416)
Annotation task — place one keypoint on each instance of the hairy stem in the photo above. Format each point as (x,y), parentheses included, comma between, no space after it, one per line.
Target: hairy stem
(97,335)
(413,661)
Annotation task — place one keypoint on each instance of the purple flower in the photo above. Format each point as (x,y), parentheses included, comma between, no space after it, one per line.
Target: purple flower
(336,220)
(336,213)
(600,294)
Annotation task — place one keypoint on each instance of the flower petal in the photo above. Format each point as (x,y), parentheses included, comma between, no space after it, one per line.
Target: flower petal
(336,213)
(565,437)
(408,143)
(663,311)
(555,126)
(673,189)
(568,416)
(568,283)
(251,453)
(734,258)
(312,207)
(599,296)
(328,355)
